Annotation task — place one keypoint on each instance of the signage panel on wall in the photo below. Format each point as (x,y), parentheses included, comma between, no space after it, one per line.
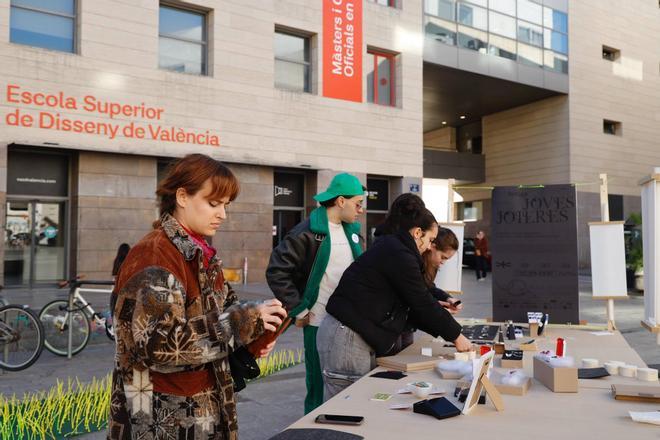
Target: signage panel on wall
(378,194)
(37,174)
(289,189)
(534,253)
(342,49)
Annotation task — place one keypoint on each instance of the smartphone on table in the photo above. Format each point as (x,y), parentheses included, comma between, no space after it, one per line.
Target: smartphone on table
(337,419)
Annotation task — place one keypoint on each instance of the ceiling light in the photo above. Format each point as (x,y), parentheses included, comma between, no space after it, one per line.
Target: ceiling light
(444,122)
(462,116)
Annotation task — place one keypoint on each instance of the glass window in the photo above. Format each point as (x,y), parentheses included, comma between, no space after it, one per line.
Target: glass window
(42,23)
(556,61)
(556,41)
(506,6)
(556,20)
(502,47)
(502,25)
(530,11)
(530,55)
(292,65)
(472,16)
(472,39)
(380,78)
(483,3)
(182,41)
(441,8)
(530,33)
(62,6)
(384,2)
(441,30)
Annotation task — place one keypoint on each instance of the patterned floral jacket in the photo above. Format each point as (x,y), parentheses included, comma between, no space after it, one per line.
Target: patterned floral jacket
(175,323)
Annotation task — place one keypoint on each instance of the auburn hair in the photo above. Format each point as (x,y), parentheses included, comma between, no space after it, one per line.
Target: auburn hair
(190,173)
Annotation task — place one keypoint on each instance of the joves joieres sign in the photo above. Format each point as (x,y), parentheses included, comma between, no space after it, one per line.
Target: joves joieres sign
(534,253)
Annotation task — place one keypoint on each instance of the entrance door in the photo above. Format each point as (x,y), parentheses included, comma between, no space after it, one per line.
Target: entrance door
(283,222)
(34,242)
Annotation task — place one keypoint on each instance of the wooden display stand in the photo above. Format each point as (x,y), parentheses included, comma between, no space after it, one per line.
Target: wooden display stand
(481,382)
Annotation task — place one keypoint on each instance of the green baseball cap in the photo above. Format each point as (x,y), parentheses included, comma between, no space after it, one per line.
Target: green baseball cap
(343,184)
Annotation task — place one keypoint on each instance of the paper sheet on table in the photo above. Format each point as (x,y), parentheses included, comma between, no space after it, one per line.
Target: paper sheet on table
(603,333)
(652,417)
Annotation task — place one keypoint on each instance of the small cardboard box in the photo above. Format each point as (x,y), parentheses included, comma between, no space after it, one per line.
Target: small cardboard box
(529,347)
(514,390)
(558,380)
(512,359)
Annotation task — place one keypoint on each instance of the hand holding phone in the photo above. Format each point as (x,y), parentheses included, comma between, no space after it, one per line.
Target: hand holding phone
(337,419)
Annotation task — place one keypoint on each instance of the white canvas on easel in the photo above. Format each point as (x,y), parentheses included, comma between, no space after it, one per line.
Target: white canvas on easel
(608,260)
(450,275)
(651,249)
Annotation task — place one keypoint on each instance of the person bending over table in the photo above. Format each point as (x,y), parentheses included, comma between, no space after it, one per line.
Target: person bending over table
(381,294)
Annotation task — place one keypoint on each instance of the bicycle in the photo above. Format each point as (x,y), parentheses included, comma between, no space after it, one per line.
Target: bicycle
(57,315)
(21,336)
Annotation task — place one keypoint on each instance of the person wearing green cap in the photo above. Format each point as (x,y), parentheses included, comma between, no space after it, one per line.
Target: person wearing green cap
(306,266)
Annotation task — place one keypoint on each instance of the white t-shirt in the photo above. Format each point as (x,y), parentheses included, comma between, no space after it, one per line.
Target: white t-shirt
(341,257)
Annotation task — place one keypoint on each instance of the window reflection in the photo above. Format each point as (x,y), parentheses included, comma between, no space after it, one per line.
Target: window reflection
(530,33)
(556,61)
(556,41)
(502,47)
(472,16)
(45,24)
(441,30)
(441,8)
(530,55)
(472,39)
(513,29)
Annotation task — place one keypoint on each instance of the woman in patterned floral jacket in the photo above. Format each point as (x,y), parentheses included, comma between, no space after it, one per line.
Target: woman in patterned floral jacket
(176,319)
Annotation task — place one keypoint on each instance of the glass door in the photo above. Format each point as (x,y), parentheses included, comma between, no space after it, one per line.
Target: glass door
(35,242)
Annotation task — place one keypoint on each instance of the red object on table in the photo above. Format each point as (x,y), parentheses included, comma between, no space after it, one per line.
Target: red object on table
(484,349)
(561,344)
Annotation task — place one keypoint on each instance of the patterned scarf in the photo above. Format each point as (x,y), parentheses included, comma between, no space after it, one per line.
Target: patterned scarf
(208,250)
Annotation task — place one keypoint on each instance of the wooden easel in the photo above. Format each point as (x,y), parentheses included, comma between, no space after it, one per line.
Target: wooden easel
(605,218)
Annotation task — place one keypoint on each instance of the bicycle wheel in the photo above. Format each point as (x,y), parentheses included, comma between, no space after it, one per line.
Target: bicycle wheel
(21,338)
(55,319)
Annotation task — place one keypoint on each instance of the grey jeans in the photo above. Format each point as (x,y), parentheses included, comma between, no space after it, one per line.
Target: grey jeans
(344,355)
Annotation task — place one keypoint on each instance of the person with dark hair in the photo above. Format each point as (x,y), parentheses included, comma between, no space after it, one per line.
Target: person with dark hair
(306,266)
(379,296)
(177,321)
(480,255)
(122,251)
(442,249)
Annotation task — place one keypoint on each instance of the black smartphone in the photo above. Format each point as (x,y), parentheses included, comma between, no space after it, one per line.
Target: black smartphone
(456,304)
(336,419)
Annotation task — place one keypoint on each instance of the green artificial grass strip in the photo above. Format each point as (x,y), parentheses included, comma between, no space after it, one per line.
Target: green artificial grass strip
(75,408)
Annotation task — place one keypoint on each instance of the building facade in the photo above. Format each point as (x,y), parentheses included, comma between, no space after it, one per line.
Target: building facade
(553,92)
(99,96)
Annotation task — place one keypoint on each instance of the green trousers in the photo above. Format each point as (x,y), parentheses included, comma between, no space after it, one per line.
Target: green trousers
(313,377)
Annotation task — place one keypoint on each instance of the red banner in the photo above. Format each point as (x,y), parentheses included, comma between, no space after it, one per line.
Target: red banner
(342,49)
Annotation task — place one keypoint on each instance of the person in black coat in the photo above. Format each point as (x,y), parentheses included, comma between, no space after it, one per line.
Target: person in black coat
(380,295)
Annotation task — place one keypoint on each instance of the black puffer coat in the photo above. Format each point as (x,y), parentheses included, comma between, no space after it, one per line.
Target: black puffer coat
(383,292)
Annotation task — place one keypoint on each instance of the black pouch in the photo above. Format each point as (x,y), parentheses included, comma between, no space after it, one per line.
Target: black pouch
(243,366)
(440,408)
